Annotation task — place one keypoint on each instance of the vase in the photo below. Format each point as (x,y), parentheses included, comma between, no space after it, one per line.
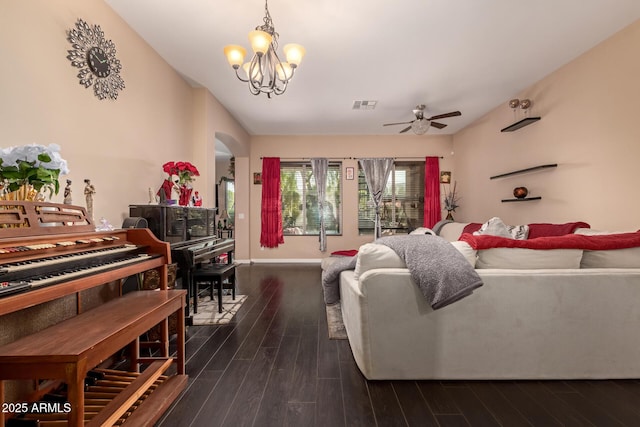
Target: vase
(25,192)
(520,192)
(185,195)
(449,216)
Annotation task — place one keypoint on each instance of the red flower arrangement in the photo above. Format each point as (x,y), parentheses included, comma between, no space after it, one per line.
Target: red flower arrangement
(185,172)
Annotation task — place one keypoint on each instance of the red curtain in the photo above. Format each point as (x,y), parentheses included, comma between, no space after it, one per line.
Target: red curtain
(271,234)
(432,210)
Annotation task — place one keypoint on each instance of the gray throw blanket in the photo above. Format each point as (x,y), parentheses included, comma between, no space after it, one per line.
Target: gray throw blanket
(330,275)
(441,272)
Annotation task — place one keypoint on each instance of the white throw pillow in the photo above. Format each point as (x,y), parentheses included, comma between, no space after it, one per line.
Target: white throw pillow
(495,227)
(423,230)
(528,259)
(374,255)
(467,251)
(452,231)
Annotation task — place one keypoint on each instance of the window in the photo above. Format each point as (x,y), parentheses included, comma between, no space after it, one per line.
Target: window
(229,199)
(300,199)
(225,193)
(402,206)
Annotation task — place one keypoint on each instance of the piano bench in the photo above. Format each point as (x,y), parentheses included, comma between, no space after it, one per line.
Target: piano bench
(215,275)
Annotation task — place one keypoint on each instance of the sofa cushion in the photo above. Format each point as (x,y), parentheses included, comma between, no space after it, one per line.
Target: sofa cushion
(548,230)
(614,258)
(527,259)
(373,255)
(466,250)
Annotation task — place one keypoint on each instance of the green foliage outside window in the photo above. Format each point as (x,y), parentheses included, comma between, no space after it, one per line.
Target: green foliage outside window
(300,214)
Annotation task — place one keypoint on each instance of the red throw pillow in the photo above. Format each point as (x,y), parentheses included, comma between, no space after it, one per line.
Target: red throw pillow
(348,252)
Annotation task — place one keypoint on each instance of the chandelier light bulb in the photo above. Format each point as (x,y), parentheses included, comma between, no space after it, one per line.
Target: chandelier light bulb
(235,55)
(294,53)
(285,71)
(260,41)
(256,75)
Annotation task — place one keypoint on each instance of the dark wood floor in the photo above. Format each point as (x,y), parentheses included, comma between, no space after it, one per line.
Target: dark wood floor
(275,366)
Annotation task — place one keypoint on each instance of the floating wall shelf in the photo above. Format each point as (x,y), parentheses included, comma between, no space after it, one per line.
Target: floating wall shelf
(522,123)
(535,168)
(526,199)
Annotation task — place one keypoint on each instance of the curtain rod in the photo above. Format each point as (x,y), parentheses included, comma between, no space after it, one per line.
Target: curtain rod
(350,158)
(414,158)
(309,158)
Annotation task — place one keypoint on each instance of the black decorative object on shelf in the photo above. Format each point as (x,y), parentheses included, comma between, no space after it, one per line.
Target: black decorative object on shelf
(525,199)
(522,123)
(552,165)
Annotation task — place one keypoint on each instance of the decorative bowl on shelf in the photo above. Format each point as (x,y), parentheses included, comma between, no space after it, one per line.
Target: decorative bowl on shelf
(520,192)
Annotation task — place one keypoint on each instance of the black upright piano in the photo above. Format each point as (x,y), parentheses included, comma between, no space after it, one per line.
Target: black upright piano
(192,235)
(192,254)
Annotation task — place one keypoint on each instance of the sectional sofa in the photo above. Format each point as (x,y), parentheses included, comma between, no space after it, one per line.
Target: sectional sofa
(540,314)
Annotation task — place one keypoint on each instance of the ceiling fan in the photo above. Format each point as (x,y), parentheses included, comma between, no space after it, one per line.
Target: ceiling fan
(421,124)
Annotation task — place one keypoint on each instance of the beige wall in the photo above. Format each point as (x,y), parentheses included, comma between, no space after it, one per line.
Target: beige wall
(589,126)
(333,147)
(120,145)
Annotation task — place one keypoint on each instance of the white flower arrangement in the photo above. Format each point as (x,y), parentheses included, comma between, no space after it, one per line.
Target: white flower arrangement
(36,165)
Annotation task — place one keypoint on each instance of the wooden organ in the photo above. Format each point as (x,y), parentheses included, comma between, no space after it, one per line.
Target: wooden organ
(49,251)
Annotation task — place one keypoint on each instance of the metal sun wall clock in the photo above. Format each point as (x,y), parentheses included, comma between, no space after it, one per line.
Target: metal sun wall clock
(96,59)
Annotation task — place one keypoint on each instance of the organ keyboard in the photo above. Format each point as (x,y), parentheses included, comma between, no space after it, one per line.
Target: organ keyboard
(32,274)
(48,251)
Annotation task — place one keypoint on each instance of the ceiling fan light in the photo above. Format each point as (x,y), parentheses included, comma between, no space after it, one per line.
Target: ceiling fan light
(260,41)
(294,53)
(420,126)
(235,55)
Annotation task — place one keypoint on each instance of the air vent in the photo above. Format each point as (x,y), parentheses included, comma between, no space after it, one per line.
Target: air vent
(364,105)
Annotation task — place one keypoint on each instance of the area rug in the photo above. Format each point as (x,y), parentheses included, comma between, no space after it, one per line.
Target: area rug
(334,322)
(208,310)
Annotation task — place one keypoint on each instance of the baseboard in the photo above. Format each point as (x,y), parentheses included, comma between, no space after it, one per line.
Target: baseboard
(287,261)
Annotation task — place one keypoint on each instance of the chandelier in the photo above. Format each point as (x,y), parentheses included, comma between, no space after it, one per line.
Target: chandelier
(265,72)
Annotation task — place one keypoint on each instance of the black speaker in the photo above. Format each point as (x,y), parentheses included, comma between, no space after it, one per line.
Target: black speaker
(135,222)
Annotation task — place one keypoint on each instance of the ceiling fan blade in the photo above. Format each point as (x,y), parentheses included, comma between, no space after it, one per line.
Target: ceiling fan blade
(405,129)
(401,123)
(444,116)
(438,125)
